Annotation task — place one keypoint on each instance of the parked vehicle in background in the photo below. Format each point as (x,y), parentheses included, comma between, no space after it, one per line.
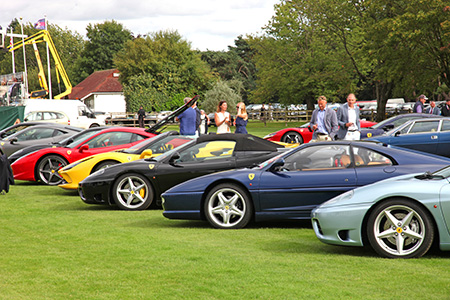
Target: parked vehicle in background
(78,113)
(430,135)
(57,117)
(300,135)
(392,122)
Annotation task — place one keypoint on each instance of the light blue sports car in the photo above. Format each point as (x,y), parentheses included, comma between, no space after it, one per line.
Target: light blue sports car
(398,217)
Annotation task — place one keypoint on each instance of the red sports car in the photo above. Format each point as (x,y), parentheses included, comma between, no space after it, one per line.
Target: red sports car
(302,134)
(43,165)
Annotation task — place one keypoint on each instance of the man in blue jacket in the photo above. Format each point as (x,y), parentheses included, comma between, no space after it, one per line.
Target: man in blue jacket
(323,122)
(348,119)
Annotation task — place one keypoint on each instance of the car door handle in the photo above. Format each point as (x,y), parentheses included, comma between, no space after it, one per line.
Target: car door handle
(434,137)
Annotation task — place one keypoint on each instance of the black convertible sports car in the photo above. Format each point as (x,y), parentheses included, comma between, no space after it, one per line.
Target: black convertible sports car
(136,185)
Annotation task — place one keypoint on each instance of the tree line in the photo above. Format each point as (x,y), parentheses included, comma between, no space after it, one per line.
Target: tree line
(377,49)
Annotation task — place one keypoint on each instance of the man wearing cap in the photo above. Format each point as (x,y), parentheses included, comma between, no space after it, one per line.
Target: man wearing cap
(418,107)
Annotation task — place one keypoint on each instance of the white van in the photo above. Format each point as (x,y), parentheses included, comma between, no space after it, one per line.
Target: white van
(79,114)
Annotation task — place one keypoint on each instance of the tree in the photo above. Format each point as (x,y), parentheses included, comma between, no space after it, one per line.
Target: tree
(104,41)
(297,61)
(234,64)
(222,90)
(163,63)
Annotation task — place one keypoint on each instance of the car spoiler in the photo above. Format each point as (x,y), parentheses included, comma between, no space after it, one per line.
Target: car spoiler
(167,119)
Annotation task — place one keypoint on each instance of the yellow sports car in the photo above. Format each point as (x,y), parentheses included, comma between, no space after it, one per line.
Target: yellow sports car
(79,170)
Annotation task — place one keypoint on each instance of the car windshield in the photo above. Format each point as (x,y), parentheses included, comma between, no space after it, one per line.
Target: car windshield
(73,141)
(158,144)
(169,153)
(445,172)
(382,123)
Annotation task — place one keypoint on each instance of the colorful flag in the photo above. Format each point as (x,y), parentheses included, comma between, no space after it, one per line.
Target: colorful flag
(40,24)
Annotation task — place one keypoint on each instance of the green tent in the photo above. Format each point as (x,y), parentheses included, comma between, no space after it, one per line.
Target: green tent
(9,115)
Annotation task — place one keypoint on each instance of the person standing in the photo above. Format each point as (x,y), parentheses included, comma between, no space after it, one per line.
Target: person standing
(348,119)
(324,121)
(446,109)
(418,107)
(141,116)
(241,118)
(188,120)
(204,122)
(433,109)
(222,118)
(263,114)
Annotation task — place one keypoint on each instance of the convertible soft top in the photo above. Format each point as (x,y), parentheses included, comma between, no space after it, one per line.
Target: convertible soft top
(244,142)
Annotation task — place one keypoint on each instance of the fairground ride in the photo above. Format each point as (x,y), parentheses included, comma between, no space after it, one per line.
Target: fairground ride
(39,37)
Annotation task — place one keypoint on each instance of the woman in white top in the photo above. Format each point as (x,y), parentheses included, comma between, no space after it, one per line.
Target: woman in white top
(222,118)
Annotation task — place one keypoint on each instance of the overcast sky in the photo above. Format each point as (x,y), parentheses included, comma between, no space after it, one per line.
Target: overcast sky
(207,24)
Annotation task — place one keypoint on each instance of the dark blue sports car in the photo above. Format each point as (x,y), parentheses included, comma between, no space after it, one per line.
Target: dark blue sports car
(391,123)
(290,185)
(430,135)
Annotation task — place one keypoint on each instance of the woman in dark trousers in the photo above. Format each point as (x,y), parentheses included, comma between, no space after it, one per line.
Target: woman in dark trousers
(241,118)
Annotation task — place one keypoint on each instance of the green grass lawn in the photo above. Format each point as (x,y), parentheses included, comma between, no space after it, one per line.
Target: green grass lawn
(53,246)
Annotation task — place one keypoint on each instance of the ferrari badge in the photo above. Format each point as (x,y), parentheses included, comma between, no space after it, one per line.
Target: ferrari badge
(251,176)
(69,152)
(151,166)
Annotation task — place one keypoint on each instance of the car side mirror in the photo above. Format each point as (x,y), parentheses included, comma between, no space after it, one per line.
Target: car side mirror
(3,134)
(13,140)
(397,133)
(173,159)
(84,147)
(388,127)
(146,153)
(276,165)
(25,120)
(309,128)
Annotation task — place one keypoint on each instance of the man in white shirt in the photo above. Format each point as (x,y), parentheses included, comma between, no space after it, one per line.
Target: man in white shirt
(348,119)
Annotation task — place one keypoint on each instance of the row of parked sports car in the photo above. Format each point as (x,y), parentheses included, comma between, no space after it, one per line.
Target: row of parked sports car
(230,180)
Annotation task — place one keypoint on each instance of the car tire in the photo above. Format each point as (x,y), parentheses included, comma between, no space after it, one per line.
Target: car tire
(228,206)
(104,164)
(292,137)
(132,192)
(400,228)
(47,169)
(94,125)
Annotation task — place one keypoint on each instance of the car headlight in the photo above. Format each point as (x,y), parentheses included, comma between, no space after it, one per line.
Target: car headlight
(269,135)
